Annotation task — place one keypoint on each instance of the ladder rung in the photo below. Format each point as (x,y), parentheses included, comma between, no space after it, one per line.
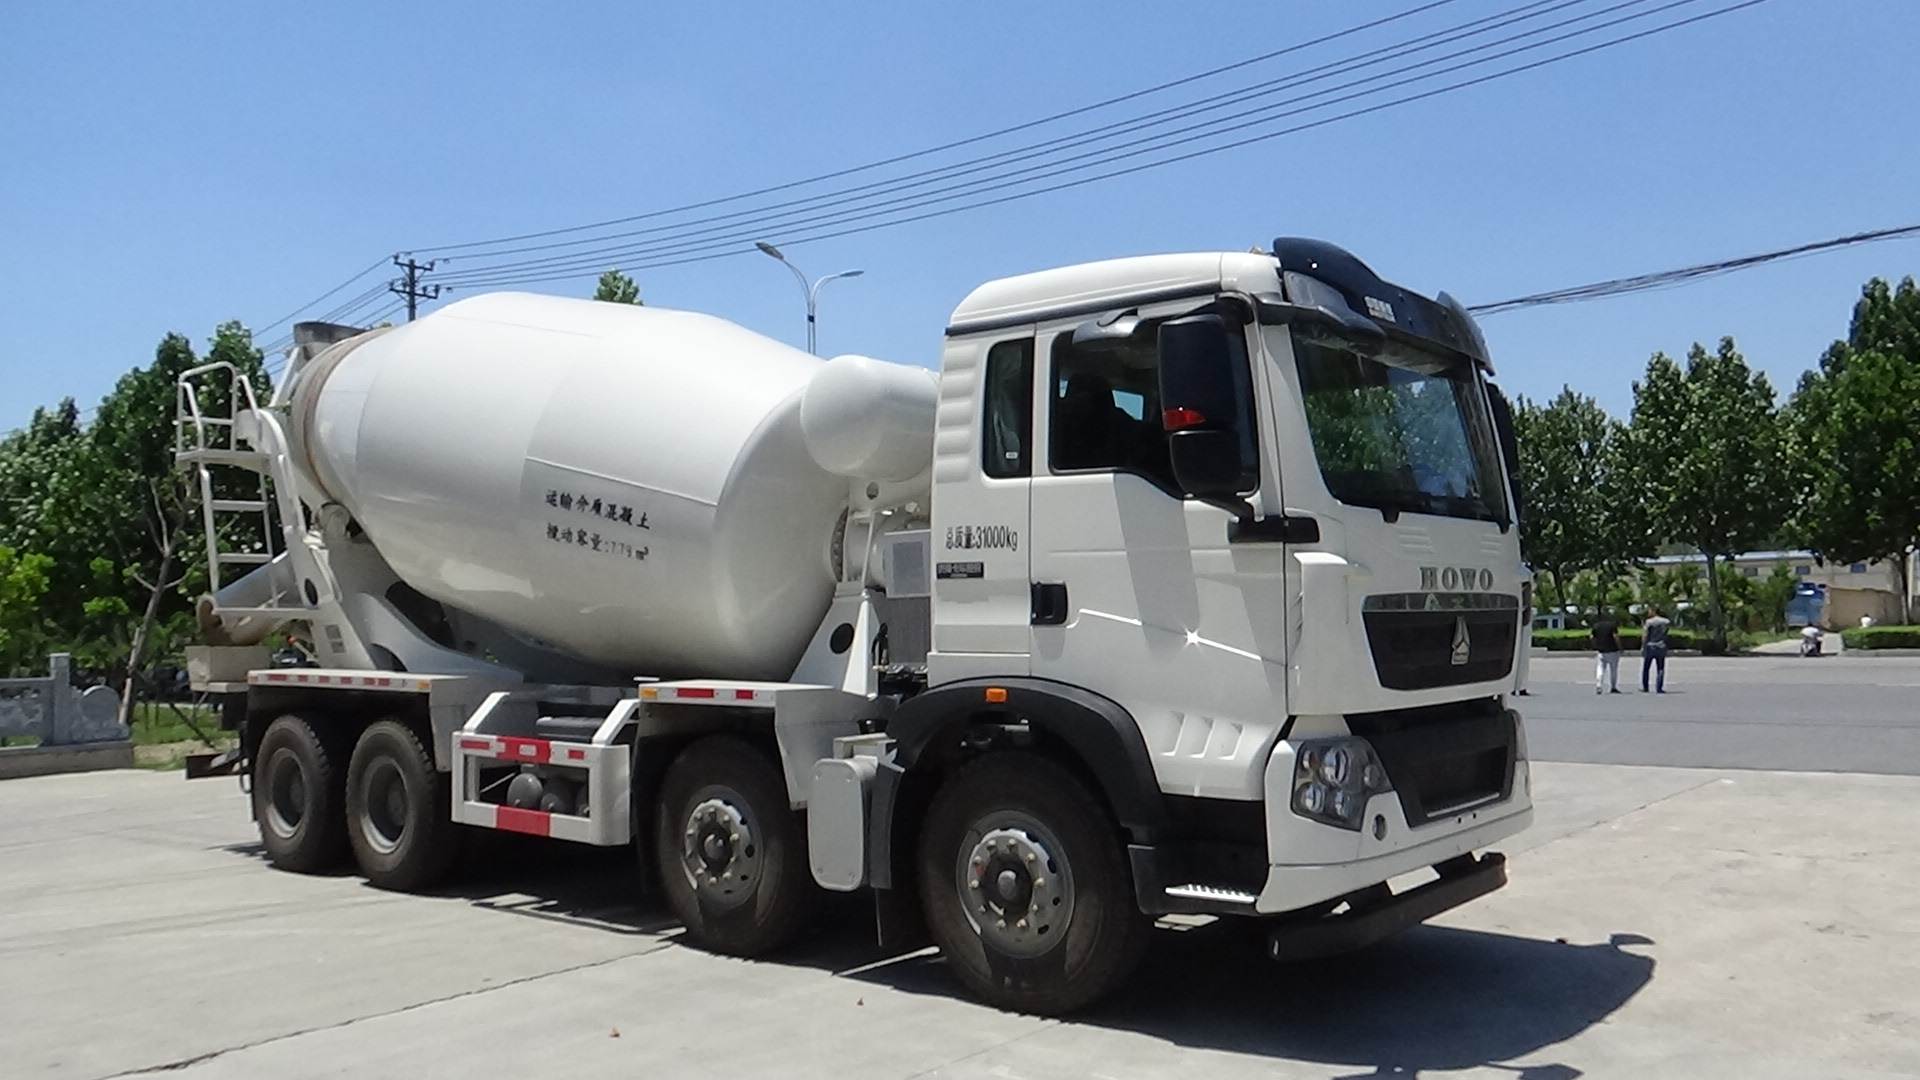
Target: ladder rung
(253,506)
(250,558)
(250,459)
(270,611)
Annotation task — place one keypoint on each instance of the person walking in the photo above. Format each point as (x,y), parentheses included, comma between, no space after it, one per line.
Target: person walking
(1653,650)
(1606,647)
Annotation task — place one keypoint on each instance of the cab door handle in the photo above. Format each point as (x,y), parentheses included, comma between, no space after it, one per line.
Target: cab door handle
(1049,603)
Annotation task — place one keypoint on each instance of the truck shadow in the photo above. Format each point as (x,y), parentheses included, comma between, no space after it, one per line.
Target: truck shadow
(1432,999)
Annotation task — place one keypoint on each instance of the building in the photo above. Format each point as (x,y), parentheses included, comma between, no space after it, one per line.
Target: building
(1853,589)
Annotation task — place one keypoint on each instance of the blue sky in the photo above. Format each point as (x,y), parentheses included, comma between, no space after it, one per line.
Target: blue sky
(166,167)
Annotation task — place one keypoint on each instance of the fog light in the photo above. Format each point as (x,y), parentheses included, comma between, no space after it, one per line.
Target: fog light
(1345,804)
(1313,799)
(1335,767)
(1333,777)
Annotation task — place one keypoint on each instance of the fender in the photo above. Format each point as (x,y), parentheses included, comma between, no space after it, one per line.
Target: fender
(1097,729)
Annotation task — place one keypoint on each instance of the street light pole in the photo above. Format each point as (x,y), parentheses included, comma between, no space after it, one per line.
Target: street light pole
(810,290)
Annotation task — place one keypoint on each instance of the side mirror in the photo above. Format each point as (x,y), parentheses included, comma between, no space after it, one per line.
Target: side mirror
(1206,394)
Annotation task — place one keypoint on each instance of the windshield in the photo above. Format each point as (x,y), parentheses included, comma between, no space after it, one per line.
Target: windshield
(1398,428)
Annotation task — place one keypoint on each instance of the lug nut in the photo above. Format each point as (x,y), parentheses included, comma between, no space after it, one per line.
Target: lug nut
(1022,924)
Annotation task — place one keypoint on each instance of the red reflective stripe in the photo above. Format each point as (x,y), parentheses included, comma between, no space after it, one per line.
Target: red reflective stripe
(275,677)
(476,744)
(386,682)
(531,822)
(694,692)
(743,695)
(527,749)
(576,755)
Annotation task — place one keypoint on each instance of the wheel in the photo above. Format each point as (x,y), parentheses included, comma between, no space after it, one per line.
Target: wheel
(731,854)
(297,783)
(398,811)
(1023,886)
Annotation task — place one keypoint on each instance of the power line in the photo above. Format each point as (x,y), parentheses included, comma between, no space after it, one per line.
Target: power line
(956,144)
(717,251)
(1486,52)
(1668,278)
(289,316)
(1034,149)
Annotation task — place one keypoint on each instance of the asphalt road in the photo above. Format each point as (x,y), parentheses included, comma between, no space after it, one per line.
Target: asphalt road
(1661,923)
(1847,713)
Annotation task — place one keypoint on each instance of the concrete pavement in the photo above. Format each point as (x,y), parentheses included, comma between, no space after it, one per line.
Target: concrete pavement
(1660,923)
(1852,713)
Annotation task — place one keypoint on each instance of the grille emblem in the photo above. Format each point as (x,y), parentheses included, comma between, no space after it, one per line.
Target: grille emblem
(1462,644)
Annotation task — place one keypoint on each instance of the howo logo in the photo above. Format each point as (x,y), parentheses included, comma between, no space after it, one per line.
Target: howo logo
(1456,578)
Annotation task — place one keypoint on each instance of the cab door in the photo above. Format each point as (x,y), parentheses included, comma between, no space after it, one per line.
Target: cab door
(1139,594)
(982,482)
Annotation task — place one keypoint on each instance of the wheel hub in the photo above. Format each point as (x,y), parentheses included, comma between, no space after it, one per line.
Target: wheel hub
(286,794)
(719,851)
(1017,888)
(385,812)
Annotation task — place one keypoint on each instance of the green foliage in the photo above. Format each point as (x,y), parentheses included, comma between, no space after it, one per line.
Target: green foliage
(1881,637)
(23,581)
(1704,453)
(1854,425)
(618,288)
(116,522)
(1579,517)
(1771,597)
(1582,640)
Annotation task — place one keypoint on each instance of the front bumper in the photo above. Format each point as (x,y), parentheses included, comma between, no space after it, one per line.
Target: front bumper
(1293,886)
(1370,918)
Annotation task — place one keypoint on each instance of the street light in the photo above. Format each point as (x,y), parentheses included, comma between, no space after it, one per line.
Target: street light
(812,290)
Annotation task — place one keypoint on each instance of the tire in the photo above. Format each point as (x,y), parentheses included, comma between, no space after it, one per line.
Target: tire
(398,817)
(1015,835)
(730,852)
(297,794)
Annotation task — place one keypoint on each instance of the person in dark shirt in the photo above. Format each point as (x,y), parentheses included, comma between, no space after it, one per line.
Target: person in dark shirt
(1606,646)
(1653,650)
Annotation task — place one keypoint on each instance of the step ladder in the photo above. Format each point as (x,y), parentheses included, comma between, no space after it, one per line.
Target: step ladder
(210,442)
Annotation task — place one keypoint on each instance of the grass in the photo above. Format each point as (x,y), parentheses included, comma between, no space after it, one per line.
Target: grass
(164,734)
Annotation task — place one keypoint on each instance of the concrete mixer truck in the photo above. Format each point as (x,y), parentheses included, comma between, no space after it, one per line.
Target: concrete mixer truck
(1188,584)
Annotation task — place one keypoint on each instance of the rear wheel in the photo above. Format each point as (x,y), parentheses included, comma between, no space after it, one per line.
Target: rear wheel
(1024,888)
(398,814)
(730,851)
(297,788)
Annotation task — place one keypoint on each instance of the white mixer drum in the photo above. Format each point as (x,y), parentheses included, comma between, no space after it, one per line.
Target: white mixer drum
(626,484)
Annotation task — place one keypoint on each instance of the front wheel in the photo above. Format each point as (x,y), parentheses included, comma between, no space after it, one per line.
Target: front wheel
(398,810)
(731,852)
(1024,888)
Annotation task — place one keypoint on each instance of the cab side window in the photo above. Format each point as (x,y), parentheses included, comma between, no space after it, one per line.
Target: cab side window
(1105,409)
(1006,435)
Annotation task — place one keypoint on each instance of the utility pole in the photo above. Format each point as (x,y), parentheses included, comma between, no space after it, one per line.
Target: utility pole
(410,287)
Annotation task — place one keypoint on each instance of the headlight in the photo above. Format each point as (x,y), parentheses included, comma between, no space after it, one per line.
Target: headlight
(1333,777)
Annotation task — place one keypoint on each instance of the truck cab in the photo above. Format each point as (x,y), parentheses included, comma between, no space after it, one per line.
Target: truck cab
(1256,502)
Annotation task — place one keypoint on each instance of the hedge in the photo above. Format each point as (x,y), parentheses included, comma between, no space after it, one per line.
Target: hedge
(1881,637)
(1582,640)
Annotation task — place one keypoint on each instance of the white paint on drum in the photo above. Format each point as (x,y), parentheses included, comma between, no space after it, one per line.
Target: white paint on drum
(628,484)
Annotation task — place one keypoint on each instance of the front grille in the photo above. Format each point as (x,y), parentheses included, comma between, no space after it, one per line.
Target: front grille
(1443,757)
(1413,637)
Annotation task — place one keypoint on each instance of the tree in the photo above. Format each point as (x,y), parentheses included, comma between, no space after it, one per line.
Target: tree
(1703,450)
(1577,517)
(618,288)
(23,581)
(106,506)
(1855,431)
